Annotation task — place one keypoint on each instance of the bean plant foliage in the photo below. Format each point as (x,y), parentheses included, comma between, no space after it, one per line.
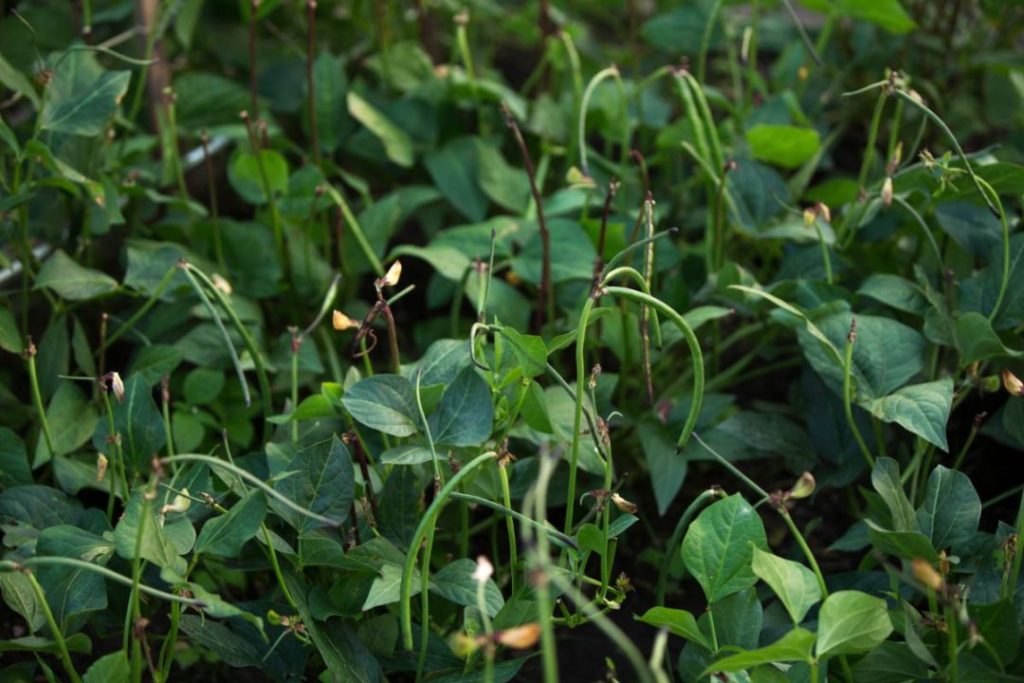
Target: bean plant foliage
(462,341)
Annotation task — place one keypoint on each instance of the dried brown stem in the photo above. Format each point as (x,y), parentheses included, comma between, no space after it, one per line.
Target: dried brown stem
(613,188)
(545,298)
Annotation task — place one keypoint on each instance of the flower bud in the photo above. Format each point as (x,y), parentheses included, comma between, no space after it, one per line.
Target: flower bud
(1013,384)
(803,487)
(887,191)
(221,284)
(117,386)
(342,322)
(101,466)
(925,573)
(391,277)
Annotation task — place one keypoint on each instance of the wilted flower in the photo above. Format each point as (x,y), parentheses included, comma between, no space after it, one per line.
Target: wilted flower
(1013,384)
(520,637)
(181,503)
(623,504)
(925,573)
(221,284)
(394,273)
(116,386)
(101,466)
(484,569)
(342,322)
(887,191)
(803,487)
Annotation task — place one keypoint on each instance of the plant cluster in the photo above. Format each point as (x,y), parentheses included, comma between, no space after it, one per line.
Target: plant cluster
(490,341)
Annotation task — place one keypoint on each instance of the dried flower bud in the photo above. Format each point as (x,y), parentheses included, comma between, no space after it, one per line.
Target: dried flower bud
(117,386)
(221,284)
(823,211)
(894,161)
(484,569)
(181,503)
(803,487)
(623,504)
(101,466)
(520,637)
(925,573)
(1013,384)
(342,322)
(887,191)
(391,277)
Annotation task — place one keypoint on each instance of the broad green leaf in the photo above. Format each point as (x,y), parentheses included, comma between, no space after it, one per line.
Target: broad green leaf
(678,621)
(410,454)
(203,386)
(980,292)
(230,647)
(886,354)
(794,583)
(455,582)
(246,176)
(78,643)
(442,361)
(323,482)
(951,509)
(970,225)
(19,596)
(828,346)
(786,146)
(885,478)
(72,419)
(73,590)
(501,182)
(529,351)
(225,535)
(719,546)
(397,144)
(138,422)
(17,82)
(332,118)
(155,361)
(112,668)
(38,506)
(386,588)
(466,414)
(449,262)
(890,663)
(997,622)
(795,646)
(903,544)
(71,281)
(922,409)
(10,337)
(454,169)
(139,529)
(14,469)
(81,97)
(889,14)
(894,291)
(572,253)
(976,340)
(386,403)
(850,622)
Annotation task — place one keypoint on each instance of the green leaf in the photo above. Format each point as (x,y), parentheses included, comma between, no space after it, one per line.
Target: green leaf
(10,337)
(971,226)
(386,588)
(225,535)
(795,646)
(112,668)
(14,469)
(153,544)
(572,253)
(78,642)
(386,403)
(410,454)
(455,582)
(786,146)
(455,171)
(997,622)
(889,14)
(504,184)
(677,621)
(397,144)
(323,481)
(529,350)
(72,419)
(73,590)
(850,622)
(19,596)
(442,361)
(894,291)
(155,361)
(232,649)
(903,544)
(71,281)
(719,547)
(332,118)
(18,82)
(923,409)
(794,583)
(885,478)
(246,177)
(82,97)
(466,414)
(890,663)
(951,509)
(976,340)
(138,422)
(203,386)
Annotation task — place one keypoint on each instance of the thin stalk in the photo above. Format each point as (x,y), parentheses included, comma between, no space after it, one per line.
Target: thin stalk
(357,230)
(134,612)
(438,477)
(135,317)
(848,396)
(581,124)
(510,527)
(705,40)
(211,190)
(310,52)
(253,90)
(811,50)
(424,530)
(37,397)
(537,498)
(481,604)
(295,346)
(511,514)
(645,311)
(275,215)
(462,40)
(869,149)
(58,635)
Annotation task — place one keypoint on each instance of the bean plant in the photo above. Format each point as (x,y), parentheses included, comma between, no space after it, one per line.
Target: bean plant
(461,341)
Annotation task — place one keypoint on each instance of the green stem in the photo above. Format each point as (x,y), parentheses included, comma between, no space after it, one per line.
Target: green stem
(705,41)
(425,529)
(37,399)
(135,317)
(357,230)
(513,547)
(58,635)
(511,514)
(847,402)
(581,125)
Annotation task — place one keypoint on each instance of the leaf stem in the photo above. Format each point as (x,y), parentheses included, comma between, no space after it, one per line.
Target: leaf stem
(58,635)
